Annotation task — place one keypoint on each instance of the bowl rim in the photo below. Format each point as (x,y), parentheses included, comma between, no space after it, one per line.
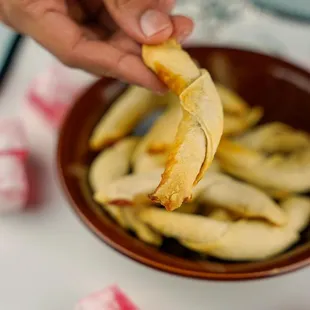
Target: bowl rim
(201,275)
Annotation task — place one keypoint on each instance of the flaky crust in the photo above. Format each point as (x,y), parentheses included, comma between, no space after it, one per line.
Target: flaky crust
(200,129)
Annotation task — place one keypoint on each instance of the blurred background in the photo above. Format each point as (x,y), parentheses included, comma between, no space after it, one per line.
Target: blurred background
(276,27)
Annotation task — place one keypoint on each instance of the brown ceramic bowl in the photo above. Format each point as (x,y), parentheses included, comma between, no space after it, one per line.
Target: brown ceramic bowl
(281,88)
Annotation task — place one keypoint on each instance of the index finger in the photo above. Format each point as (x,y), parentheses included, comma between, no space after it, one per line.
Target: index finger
(65,39)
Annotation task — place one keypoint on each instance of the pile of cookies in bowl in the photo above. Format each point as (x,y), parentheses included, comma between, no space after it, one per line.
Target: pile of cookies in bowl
(206,176)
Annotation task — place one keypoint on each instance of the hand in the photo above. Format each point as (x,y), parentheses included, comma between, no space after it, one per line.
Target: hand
(100,36)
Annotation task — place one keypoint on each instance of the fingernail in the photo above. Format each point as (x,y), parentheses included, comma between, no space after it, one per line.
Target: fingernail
(153,21)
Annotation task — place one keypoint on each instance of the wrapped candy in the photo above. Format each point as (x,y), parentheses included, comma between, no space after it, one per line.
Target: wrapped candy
(111,298)
(53,91)
(13,155)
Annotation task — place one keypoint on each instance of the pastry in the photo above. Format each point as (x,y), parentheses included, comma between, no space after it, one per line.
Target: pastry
(256,240)
(111,163)
(275,137)
(219,190)
(200,129)
(233,104)
(129,189)
(277,174)
(122,117)
(189,227)
(163,132)
(232,240)
(142,231)
(236,125)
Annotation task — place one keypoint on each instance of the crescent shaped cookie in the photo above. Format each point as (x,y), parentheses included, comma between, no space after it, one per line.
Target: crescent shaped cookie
(129,189)
(121,118)
(277,174)
(248,241)
(219,190)
(232,240)
(256,240)
(235,125)
(108,166)
(275,137)
(184,226)
(200,129)
(111,163)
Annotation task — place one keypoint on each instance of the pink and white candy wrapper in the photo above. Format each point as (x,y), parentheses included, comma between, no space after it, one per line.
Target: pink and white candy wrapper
(13,155)
(111,298)
(53,91)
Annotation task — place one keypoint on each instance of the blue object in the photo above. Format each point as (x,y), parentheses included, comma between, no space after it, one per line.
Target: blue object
(295,9)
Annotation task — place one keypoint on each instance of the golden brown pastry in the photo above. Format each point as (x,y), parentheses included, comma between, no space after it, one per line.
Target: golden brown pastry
(232,240)
(189,227)
(255,240)
(233,104)
(247,240)
(121,118)
(142,231)
(111,163)
(148,162)
(235,125)
(280,175)
(298,211)
(219,190)
(238,115)
(134,188)
(162,134)
(129,189)
(215,190)
(152,151)
(200,129)
(275,137)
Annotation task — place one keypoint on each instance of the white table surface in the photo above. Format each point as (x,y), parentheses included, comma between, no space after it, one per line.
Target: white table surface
(48,259)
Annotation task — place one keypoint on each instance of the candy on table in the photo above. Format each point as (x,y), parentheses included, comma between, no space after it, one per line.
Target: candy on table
(111,298)
(12,138)
(52,92)
(13,155)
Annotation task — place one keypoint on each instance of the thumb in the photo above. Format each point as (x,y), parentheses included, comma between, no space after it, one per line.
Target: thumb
(146,21)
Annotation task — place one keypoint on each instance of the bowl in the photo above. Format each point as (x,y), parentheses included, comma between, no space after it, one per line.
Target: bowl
(281,88)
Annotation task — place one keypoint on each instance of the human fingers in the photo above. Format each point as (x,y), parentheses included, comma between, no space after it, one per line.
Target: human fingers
(98,57)
(146,21)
